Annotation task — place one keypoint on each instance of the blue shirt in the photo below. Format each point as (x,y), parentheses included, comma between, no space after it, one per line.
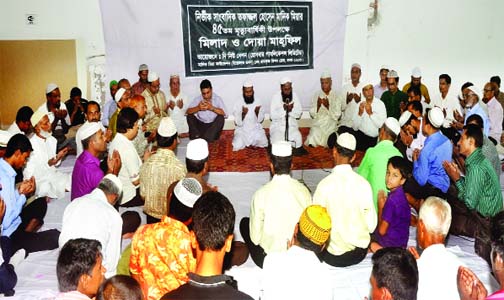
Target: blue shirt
(428,168)
(14,201)
(207,116)
(478,110)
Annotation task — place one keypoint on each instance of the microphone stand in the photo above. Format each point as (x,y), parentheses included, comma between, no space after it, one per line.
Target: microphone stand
(287,120)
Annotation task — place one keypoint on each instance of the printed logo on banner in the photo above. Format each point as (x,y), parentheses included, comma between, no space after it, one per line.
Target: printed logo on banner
(227,37)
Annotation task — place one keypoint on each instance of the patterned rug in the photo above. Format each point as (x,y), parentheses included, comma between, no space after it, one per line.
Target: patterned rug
(223,159)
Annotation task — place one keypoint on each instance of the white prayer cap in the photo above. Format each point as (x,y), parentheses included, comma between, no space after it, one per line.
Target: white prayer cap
(117,182)
(384,67)
(392,74)
(197,149)
(393,125)
(404,118)
(51,87)
(416,73)
(37,116)
(143,67)
(356,65)
(167,127)
(153,76)
(4,138)
(347,141)
(174,76)
(119,94)
(436,117)
(188,191)
(281,149)
(285,80)
(325,75)
(248,83)
(88,129)
(475,90)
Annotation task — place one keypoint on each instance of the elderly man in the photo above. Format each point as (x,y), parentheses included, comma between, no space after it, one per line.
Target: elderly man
(325,112)
(160,171)
(155,100)
(416,81)
(479,190)
(374,164)
(352,212)
(429,177)
(495,112)
(141,141)
(437,267)
(21,221)
(57,112)
(87,173)
(447,101)
(110,106)
(285,110)
(395,100)
(94,216)
(275,207)
(44,160)
(206,114)
(369,119)
(248,117)
(76,106)
(473,107)
(287,274)
(177,106)
(79,269)
(92,116)
(381,87)
(22,123)
(411,129)
(143,83)
(122,98)
(351,95)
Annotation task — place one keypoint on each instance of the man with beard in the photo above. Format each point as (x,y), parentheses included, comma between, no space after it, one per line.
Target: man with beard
(155,100)
(110,106)
(325,112)
(142,83)
(122,99)
(416,81)
(248,118)
(57,113)
(284,112)
(177,105)
(351,93)
(44,159)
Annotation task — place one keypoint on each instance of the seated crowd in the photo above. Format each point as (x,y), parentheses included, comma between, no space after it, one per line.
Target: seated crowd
(429,160)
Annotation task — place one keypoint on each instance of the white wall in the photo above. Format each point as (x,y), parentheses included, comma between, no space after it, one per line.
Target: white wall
(57,19)
(463,38)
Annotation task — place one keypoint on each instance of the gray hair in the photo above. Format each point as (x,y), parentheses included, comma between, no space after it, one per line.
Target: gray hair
(435,213)
(109,188)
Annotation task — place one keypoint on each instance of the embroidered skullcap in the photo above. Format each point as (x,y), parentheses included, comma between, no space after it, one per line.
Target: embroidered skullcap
(187,191)
(392,74)
(315,224)
(153,76)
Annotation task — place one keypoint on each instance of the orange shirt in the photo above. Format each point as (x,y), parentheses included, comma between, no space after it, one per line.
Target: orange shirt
(161,257)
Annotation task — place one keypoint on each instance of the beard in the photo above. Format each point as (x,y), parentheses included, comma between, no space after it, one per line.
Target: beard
(45,134)
(287,98)
(248,100)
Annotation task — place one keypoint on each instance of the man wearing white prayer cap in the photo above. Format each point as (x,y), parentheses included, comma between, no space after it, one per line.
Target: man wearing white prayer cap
(122,98)
(286,103)
(275,207)
(87,173)
(395,100)
(381,87)
(142,83)
(353,215)
(325,111)
(369,119)
(248,115)
(177,106)
(197,163)
(416,81)
(155,100)
(374,164)
(160,170)
(429,177)
(93,116)
(350,97)
(473,106)
(44,159)
(57,113)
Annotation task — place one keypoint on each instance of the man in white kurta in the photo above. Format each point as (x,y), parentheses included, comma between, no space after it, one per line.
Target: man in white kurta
(369,119)
(155,100)
(276,207)
(350,97)
(177,106)
(325,112)
(285,102)
(43,160)
(248,116)
(447,100)
(495,112)
(349,201)
(93,216)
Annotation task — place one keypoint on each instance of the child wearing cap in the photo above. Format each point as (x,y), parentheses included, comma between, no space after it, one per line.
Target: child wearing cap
(393,209)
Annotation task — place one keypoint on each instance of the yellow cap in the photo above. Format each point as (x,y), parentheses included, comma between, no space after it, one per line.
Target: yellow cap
(315,224)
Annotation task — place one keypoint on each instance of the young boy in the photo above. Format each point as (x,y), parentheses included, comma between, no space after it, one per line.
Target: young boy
(393,210)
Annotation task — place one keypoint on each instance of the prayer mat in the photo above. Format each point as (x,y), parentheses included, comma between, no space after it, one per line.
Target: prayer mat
(251,159)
